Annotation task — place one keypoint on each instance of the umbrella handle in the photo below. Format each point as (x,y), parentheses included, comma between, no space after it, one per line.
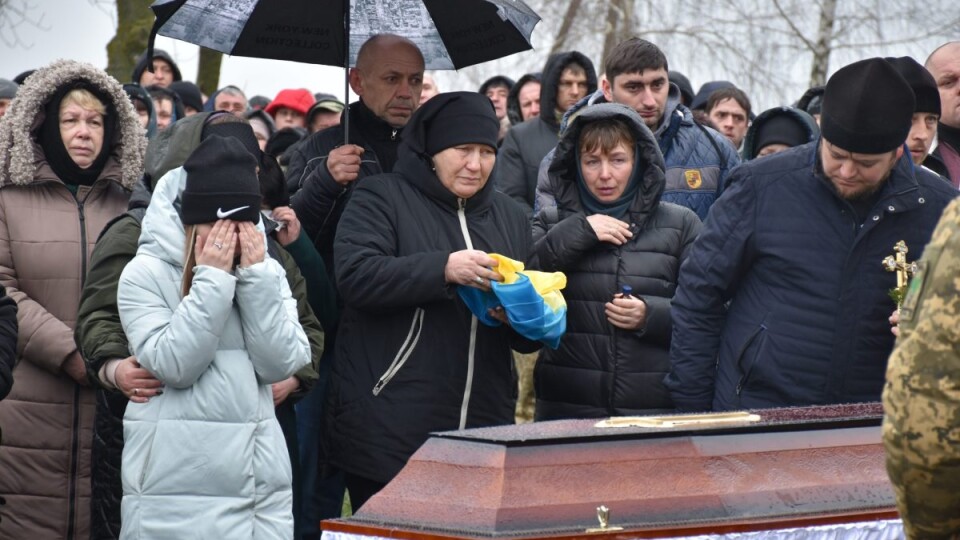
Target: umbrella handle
(346,71)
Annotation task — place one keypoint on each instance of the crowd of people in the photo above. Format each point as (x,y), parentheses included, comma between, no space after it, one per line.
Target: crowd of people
(220,314)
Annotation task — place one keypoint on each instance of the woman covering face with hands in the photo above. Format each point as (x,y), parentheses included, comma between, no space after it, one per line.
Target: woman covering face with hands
(621,249)
(211,317)
(411,358)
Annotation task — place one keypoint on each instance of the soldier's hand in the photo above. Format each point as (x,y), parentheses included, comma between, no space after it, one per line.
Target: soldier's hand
(895,322)
(344,163)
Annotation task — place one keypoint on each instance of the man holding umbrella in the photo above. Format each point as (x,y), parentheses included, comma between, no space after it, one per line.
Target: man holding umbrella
(321,175)
(388,78)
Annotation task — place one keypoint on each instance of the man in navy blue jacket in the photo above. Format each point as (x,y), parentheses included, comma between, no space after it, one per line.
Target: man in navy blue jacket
(784,300)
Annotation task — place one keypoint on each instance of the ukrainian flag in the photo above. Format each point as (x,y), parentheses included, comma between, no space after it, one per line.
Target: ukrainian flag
(532,301)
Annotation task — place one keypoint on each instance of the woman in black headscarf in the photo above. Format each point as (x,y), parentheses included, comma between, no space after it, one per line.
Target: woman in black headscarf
(411,358)
(71,148)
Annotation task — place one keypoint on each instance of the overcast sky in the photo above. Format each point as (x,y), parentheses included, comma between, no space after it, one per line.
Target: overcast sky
(81,29)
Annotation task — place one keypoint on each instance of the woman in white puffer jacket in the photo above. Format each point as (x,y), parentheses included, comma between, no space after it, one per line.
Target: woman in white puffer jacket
(211,316)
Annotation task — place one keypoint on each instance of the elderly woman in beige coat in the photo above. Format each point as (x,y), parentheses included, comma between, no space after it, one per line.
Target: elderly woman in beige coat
(71,148)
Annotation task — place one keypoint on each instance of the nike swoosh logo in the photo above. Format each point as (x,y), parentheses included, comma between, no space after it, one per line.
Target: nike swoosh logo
(223,215)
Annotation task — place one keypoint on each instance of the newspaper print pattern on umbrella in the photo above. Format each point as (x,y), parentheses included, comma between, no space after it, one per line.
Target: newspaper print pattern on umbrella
(452,34)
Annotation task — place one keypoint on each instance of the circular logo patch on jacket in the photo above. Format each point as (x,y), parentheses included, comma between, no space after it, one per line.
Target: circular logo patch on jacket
(693,178)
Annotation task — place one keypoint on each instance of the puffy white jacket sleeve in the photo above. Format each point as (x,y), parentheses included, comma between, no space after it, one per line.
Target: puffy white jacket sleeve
(176,344)
(275,341)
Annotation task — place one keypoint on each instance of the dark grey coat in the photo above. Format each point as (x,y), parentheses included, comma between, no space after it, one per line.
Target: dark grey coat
(600,370)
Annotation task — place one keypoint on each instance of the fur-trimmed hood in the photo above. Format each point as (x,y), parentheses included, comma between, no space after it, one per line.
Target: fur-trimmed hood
(21,156)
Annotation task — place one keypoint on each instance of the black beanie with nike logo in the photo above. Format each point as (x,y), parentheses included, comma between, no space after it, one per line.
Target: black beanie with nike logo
(221,183)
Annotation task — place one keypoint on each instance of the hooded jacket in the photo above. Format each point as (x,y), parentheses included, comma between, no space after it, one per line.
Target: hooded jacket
(411,358)
(143,63)
(100,335)
(698,159)
(46,235)
(783,300)
(139,93)
(525,144)
(600,370)
(217,350)
(513,99)
(801,118)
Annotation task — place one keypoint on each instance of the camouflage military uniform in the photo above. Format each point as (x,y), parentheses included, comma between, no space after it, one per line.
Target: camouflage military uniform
(921,399)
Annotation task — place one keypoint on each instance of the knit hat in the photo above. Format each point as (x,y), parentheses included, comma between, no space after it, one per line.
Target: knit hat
(458,118)
(8,89)
(239,129)
(867,108)
(298,99)
(811,101)
(258,102)
(781,129)
(283,139)
(221,183)
(495,81)
(921,81)
(707,88)
(189,94)
(683,83)
(22,77)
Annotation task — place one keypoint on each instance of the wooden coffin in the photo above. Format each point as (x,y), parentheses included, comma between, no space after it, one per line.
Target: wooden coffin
(796,467)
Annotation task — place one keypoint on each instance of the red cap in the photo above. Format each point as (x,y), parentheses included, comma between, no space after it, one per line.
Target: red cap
(298,99)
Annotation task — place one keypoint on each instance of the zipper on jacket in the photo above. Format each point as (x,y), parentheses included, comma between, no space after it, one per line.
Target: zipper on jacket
(614,334)
(75,445)
(409,344)
(393,134)
(83,242)
(462,216)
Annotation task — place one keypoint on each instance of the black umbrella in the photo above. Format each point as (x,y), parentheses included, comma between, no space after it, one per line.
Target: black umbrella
(451,34)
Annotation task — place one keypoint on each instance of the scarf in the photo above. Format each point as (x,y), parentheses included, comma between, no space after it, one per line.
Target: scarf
(51,141)
(618,208)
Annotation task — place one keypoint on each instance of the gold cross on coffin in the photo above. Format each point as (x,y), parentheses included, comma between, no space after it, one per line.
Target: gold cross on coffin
(898,263)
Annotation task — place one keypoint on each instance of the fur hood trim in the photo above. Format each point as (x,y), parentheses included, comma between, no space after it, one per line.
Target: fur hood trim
(18,164)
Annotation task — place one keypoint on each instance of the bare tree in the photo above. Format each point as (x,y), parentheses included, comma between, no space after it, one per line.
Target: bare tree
(208,70)
(569,16)
(774,50)
(134,20)
(13,15)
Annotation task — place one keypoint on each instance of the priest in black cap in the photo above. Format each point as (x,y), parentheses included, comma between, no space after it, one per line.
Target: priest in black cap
(784,300)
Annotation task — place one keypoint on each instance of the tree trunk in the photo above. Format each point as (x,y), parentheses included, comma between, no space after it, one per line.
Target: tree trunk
(618,28)
(610,30)
(569,18)
(208,70)
(134,21)
(824,44)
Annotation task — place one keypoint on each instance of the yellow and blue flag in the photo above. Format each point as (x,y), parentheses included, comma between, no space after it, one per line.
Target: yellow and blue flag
(532,301)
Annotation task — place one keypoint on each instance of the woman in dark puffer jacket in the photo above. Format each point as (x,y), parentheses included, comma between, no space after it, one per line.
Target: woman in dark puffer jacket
(610,231)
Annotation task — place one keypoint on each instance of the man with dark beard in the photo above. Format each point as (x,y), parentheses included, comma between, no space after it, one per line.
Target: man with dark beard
(784,300)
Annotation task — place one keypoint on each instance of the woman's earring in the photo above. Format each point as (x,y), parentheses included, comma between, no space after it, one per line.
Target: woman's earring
(433,166)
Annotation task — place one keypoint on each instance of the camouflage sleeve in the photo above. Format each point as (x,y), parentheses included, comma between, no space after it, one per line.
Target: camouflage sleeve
(921,398)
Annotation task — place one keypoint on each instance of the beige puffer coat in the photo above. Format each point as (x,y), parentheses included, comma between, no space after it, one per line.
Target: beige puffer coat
(46,236)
